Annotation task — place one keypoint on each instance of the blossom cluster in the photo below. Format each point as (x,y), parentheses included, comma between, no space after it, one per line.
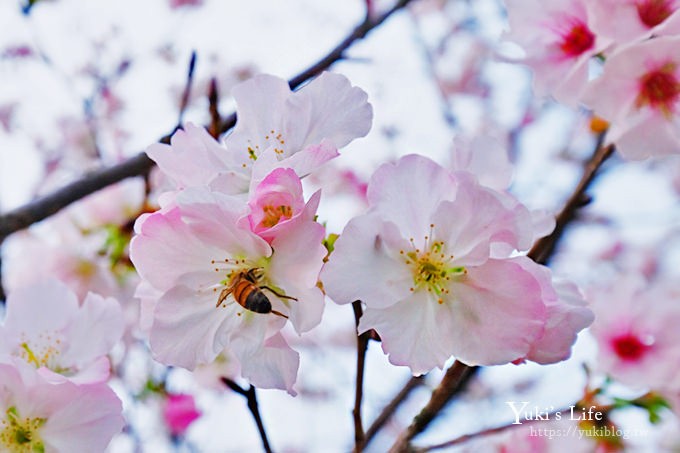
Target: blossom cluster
(54,368)
(619,58)
(233,255)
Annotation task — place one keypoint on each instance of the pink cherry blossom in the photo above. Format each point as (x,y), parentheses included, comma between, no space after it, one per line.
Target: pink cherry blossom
(277,201)
(421,261)
(59,249)
(46,328)
(276,128)
(559,41)
(179,412)
(639,94)
(191,253)
(625,21)
(37,415)
(636,331)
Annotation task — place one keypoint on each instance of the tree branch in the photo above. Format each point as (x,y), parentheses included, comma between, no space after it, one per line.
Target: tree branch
(213,101)
(544,248)
(187,89)
(362,345)
(440,397)
(251,398)
(140,165)
(3,296)
(413,383)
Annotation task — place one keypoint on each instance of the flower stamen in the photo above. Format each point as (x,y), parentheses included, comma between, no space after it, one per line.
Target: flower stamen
(431,267)
(20,435)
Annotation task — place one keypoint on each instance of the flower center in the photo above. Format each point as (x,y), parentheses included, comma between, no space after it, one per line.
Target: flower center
(20,435)
(273,214)
(660,89)
(431,267)
(653,12)
(577,40)
(85,269)
(629,347)
(42,352)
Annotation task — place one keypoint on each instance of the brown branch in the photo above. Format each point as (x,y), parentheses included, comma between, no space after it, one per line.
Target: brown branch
(440,397)
(140,165)
(362,345)
(387,412)
(213,101)
(251,398)
(544,248)
(413,383)
(3,296)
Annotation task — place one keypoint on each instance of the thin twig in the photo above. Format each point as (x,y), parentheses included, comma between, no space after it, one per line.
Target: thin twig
(213,101)
(3,296)
(391,407)
(440,397)
(140,165)
(187,89)
(362,345)
(251,398)
(486,432)
(413,383)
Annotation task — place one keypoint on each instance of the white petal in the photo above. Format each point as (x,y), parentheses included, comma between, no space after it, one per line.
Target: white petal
(364,266)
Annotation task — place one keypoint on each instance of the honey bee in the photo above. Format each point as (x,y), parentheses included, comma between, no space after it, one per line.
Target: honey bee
(248,294)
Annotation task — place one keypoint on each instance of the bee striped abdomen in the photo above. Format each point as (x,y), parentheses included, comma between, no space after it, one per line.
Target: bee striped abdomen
(250,297)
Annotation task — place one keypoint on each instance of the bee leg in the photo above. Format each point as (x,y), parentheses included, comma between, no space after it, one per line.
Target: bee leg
(281,296)
(279,314)
(223,295)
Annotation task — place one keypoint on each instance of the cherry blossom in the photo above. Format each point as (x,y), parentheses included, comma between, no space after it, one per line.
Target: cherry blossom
(625,21)
(422,261)
(277,201)
(639,94)
(276,128)
(559,41)
(635,328)
(46,328)
(59,249)
(195,252)
(179,412)
(37,415)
